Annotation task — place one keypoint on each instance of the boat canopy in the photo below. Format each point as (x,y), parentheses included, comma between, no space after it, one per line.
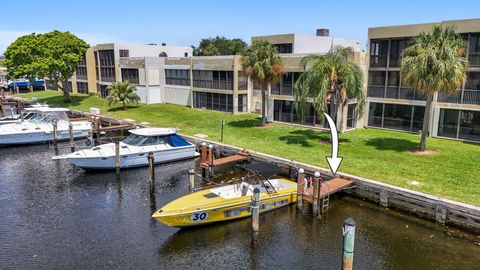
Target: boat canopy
(152,131)
(176,141)
(264,169)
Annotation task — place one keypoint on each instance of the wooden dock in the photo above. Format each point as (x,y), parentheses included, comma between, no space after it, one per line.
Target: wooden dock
(328,188)
(240,156)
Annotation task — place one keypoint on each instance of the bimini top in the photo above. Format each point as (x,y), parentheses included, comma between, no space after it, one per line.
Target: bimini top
(153,131)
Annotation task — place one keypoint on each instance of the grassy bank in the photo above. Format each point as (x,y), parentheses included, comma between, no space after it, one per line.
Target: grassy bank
(377,154)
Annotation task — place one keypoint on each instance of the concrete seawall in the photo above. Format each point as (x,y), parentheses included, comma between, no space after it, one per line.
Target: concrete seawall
(427,206)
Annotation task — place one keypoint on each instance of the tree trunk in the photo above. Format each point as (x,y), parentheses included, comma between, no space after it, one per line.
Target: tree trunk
(264,108)
(333,108)
(426,121)
(124,105)
(66,92)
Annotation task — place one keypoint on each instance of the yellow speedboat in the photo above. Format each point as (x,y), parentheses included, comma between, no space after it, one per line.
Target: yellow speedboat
(226,203)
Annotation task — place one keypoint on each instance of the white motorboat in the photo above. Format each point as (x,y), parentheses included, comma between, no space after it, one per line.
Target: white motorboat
(39,128)
(165,144)
(26,114)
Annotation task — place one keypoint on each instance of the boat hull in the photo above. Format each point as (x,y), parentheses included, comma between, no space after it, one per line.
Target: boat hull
(133,160)
(230,211)
(40,137)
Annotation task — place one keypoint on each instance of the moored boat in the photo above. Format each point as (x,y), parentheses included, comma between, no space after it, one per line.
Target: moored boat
(39,128)
(226,203)
(165,144)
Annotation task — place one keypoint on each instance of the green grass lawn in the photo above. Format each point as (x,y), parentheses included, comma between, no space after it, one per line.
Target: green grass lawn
(372,153)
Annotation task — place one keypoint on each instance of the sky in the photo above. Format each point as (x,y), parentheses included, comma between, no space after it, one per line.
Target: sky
(185,22)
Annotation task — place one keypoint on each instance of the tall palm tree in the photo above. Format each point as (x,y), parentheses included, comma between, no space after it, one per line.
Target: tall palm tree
(122,92)
(333,78)
(262,64)
(434,62)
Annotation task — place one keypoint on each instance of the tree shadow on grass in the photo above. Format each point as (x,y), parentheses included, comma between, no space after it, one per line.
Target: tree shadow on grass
(120,108)
(58,100)
(245,123)
(302,137)
(392,144)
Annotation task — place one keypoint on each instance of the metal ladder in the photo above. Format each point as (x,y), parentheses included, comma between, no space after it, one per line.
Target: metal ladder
(325,200)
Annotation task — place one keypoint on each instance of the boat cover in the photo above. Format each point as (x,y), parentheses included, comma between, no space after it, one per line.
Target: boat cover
(176,141)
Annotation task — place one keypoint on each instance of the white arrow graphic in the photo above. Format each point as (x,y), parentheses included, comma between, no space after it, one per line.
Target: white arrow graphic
(333,161)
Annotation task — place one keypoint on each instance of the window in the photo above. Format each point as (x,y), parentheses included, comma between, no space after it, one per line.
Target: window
(213,79)
(469,125)
(242,81)
(82,69)
(393,83)
(376,84)
(177,77)
(352,116)
(473,81)
(186,54)
(130,75)
(97,74)
(396,48)
(107,65)
(378,53)
(82,87)
(242,103)
(124,53)
(396,116)
(213,101)
(284,48)
(284,111)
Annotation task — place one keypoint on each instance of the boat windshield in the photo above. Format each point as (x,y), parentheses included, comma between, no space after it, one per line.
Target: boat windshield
(134,139)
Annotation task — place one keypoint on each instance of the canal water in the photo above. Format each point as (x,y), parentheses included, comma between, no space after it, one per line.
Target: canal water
(56,216)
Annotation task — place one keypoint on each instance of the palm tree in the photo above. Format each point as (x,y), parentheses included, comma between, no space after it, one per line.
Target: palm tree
(262,64)
(122,92)
(434,62)
(333,78)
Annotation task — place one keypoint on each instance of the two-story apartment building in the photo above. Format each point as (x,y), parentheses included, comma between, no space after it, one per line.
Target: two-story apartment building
(394,106)
(141,65)
(293,48)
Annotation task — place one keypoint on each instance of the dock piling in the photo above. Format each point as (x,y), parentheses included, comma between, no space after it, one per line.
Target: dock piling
(151,171)
(223,125)
(348,243)
(72,141)
(255,210)
(316,193)
(211,169)
(191,180)
(117,157)
(300,187)
(54,133)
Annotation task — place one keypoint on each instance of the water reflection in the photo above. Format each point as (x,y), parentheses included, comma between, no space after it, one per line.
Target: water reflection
(55,215)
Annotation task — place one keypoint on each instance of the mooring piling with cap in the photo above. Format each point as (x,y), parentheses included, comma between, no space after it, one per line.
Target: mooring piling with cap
(300,187)
(348,243)
(72,139)
(191,180)
(255,210)
(54,133)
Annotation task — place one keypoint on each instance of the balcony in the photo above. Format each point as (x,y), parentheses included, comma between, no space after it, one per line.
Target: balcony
(283,89)
(209,84)
(471,97)
(455,97)
(177,81)
(378,60)
(474,58)
(393,92)
(376,91)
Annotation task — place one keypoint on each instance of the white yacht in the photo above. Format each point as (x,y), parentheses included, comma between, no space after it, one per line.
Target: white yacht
(26,114)
(39,128)
(165,144)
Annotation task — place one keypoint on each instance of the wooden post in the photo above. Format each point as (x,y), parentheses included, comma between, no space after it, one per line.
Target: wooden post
(211,169)
(316,191)
(203,153)
(54,133)
(191,180)
(255,210)
(97,126)
(223,125)
(348,243)
(151,171)
(117,157)
(300,187)
(72,140)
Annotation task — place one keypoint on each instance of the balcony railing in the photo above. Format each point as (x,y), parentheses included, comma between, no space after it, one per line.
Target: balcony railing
(393,92)
(455,97)
(284,89)
(81,76)
(242,85)
(177,81)
(471,97)
(474,58)
(224,85)
(376,91)
(378,60)
(108,79)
